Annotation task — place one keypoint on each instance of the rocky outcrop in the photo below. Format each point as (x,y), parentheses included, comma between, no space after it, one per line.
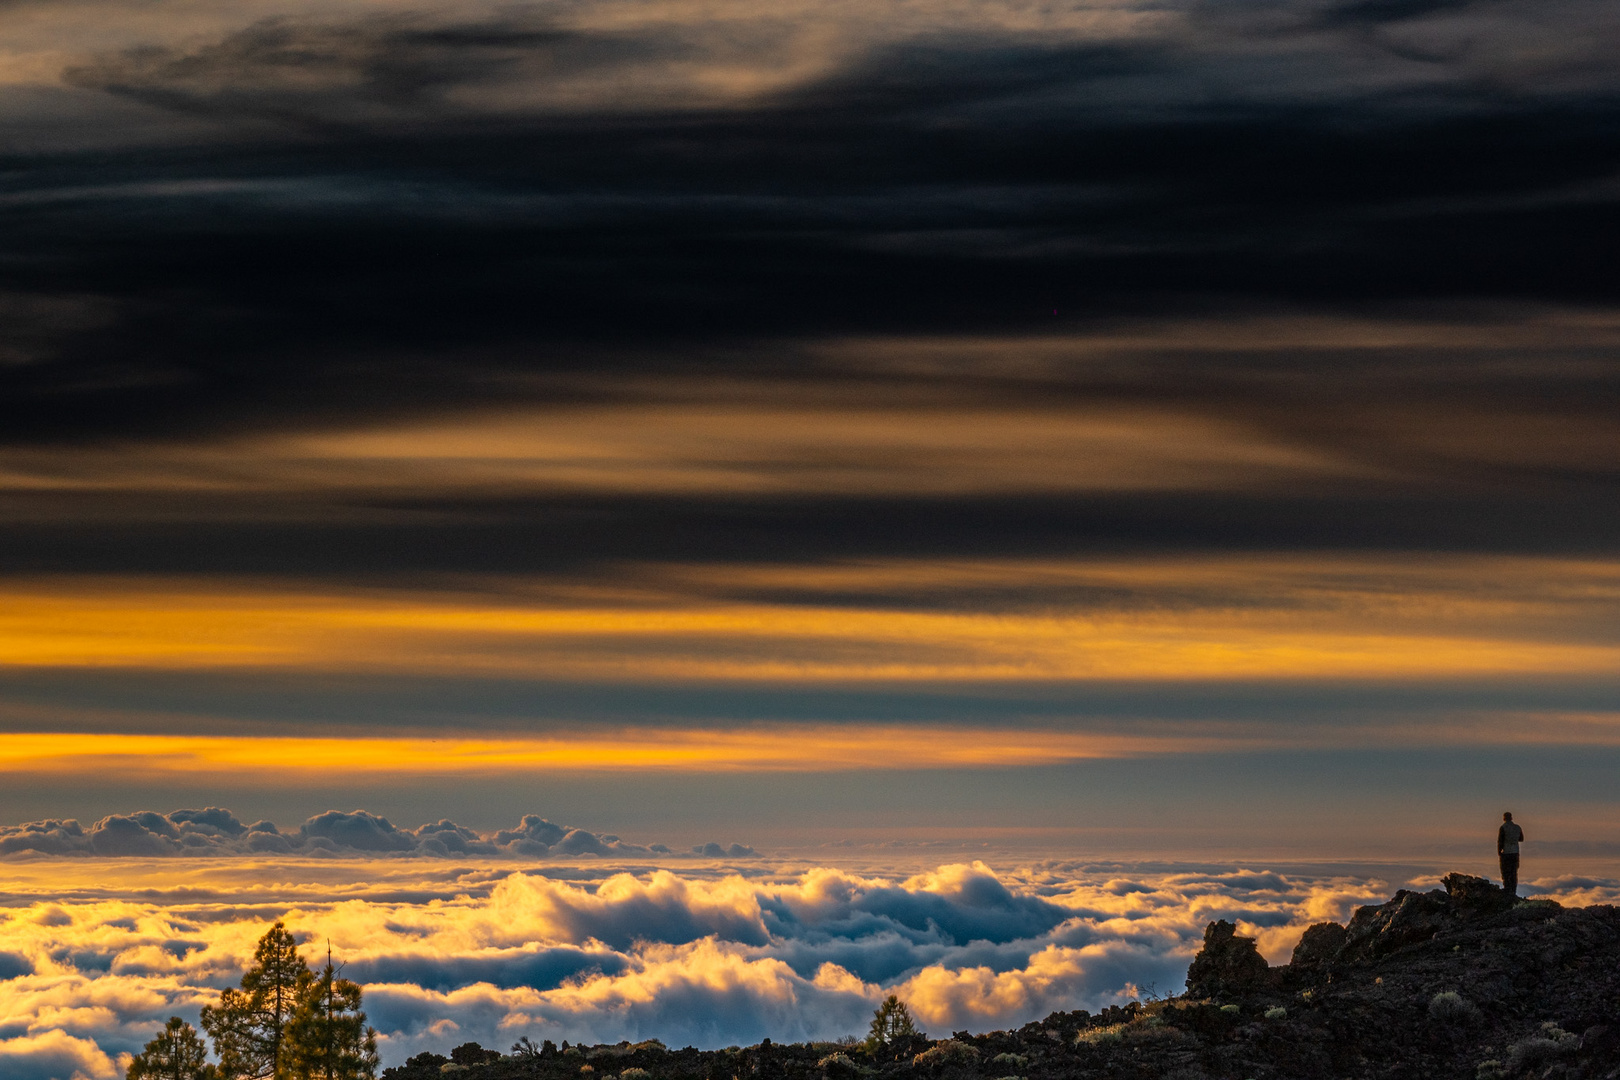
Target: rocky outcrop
(1407,919)
(1319,945)
(1226,964)
(1473,897)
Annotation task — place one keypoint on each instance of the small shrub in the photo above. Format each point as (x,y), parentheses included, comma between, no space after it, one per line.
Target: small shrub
(586,1070)
(1451,1007)
(1231,1008)
(1010,1061)
(634,1073)
(838,1065)
(1491,1070)
(949,1052)
(1277,1013)
(613,1050)
(1547,1044)
(1100,1036)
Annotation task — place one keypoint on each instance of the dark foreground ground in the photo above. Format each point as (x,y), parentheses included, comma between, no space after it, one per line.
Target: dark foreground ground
(1461,982)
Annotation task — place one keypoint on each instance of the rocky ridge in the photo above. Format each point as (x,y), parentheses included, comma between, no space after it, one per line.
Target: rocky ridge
(1462,982)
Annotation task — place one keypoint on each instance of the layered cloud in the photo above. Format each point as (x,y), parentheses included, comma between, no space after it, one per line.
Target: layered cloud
(519,222)
(349,66)
(1216,616)
(217,832)
(706,958)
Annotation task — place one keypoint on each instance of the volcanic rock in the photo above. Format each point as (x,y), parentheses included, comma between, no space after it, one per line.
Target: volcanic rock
(1319,945)
(1226,964)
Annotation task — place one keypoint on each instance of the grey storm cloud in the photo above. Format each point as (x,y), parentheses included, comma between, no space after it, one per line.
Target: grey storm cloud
(414,211)
(712,850)
(373,70)
(393,69)
(983,909)
(541,968)
(215,831)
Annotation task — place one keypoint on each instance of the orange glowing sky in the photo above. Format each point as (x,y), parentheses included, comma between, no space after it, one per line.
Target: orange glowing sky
(1253,617)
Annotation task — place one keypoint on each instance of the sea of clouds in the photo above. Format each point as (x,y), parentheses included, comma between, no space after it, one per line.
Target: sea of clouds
(103,936)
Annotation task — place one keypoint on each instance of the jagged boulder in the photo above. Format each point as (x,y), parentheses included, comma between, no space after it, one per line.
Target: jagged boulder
(1319,945)
(1226,964)
(1408,918)
(1472,897)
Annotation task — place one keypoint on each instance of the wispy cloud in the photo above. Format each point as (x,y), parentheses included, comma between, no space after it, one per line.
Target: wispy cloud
(279,762)
(713,448)
(1216,617)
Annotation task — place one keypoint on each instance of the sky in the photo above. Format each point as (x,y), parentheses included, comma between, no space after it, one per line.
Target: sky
(904,449)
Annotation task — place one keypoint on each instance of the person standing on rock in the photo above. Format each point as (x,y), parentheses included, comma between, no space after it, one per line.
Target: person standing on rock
(1508,839)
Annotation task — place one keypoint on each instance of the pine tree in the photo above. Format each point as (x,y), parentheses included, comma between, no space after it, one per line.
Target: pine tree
(327,1038)
(176,1054)
(249,1025)
(892,1031)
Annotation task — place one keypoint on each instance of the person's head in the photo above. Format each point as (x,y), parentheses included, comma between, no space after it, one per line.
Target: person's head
(1507,816)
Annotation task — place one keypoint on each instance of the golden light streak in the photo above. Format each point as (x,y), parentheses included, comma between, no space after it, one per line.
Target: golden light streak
(1235,618)
(763,447)
(363,759)
(778,749)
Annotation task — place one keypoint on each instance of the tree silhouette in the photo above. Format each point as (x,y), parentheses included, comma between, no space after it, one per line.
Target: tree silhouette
(249,1025)
(176,1054)
(892,1031)
(327,1038)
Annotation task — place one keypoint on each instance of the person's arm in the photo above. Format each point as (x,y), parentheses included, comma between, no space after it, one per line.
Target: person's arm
(1501,838)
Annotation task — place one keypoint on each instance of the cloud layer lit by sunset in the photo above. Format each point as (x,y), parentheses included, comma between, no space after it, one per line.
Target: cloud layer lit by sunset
(706,956)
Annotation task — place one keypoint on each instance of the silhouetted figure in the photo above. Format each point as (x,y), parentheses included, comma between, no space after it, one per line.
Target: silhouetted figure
(1508,839)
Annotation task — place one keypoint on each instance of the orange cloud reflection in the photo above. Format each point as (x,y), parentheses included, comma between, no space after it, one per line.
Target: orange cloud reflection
(1233,618)
(281,760)
(779,749)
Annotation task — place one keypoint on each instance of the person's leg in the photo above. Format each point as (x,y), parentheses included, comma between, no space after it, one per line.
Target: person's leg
(1510,874)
